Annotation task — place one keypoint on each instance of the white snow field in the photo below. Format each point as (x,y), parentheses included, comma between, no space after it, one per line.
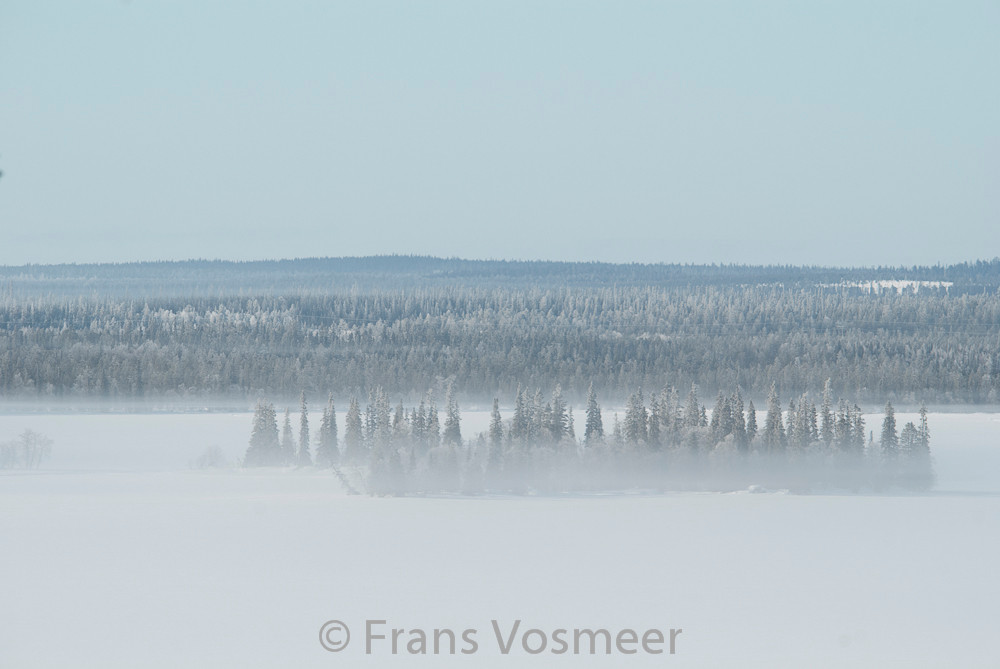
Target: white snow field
(117,554)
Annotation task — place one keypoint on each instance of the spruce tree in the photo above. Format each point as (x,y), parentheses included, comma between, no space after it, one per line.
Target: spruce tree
(332,411)
(383,418)
(558,421)
(890,439)
(667,417)
(370,418)
(304,457)
(924,433)
(496,425)
(420,426)
(792,424)
(327,452)
(826,430)
(653,436)
(433,427)
(385,470)
(384,463)
(287,440)
(494,459)
(909,440)
(617,435)
(264,449)
(692,416)
(737,420)
(920,468)
(593,431)
(537,427)
(674,412)
(452,422)
(774,430)
(519,423)
(843,427)
(812,423)
(857,431)
(717,424)
(354,448)
(635,426)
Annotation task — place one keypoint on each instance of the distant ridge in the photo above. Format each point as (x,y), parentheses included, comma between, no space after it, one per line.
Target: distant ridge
(402,272)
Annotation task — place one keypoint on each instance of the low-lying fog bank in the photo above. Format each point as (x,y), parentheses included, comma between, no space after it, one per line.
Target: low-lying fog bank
(965,447)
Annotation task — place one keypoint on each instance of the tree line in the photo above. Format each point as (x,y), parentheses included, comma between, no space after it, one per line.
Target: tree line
(932,345)
(666,443)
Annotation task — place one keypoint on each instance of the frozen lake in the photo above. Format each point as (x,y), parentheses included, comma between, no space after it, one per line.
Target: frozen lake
(117,554)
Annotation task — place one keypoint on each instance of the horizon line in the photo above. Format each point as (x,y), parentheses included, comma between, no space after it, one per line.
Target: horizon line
(402,256)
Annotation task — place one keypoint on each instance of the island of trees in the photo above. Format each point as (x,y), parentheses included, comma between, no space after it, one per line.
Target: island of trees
(662,444)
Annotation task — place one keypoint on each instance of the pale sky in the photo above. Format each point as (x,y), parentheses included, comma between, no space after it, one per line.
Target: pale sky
(758,132)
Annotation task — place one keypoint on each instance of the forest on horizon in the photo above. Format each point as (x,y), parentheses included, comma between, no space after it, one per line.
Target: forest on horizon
(240,330)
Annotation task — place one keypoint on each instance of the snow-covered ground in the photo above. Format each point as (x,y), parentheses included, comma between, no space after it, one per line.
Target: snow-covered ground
(117,554)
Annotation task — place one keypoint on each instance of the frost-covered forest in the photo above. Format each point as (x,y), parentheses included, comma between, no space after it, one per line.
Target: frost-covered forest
(667,445)
(485,328)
